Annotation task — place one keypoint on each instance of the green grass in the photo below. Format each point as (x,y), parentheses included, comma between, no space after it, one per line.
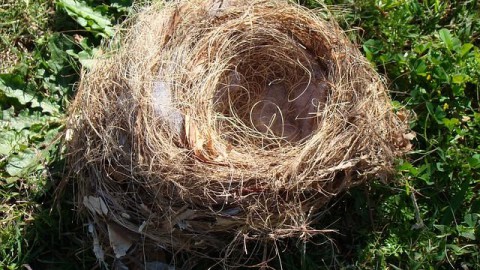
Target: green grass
(36,80)
(428,218)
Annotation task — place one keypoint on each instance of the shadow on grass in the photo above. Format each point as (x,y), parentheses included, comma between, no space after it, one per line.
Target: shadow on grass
(56,238)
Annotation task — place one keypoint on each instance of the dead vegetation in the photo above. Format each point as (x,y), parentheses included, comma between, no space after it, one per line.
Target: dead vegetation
(210,126)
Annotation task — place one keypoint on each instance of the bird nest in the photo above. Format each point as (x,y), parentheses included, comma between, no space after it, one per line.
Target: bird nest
(205,126)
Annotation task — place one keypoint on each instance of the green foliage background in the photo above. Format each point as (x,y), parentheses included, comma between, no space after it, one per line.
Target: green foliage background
(428,218)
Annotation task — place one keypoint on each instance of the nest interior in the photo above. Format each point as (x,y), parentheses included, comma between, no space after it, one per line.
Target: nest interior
(207,124)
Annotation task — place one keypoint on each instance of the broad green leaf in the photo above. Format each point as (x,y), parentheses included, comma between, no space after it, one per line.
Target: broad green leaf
(21,96)
(422,47)
(24,98)
(57,45)
(444,230)
(460,78)
(7,142)
(470,220)
(25,120)
(83,22)
(426,177)
(368,53)
(371,47)
(474,161)
(446,37)
(23,163)
(87,17)
(476,116)
(408,167)
(421,68)
(469,234)
(458,90)
(437,112)
(465,49)
(451,123)
(84,57)
(456,44)
(440,74)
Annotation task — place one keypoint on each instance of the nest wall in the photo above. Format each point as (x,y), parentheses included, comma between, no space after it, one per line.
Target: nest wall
(169,141)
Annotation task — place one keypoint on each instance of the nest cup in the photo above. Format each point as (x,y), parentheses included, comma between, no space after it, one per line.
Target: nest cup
(206,126)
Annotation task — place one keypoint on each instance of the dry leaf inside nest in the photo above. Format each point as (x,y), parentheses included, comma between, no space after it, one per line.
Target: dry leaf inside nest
(96,205)
(119,239)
